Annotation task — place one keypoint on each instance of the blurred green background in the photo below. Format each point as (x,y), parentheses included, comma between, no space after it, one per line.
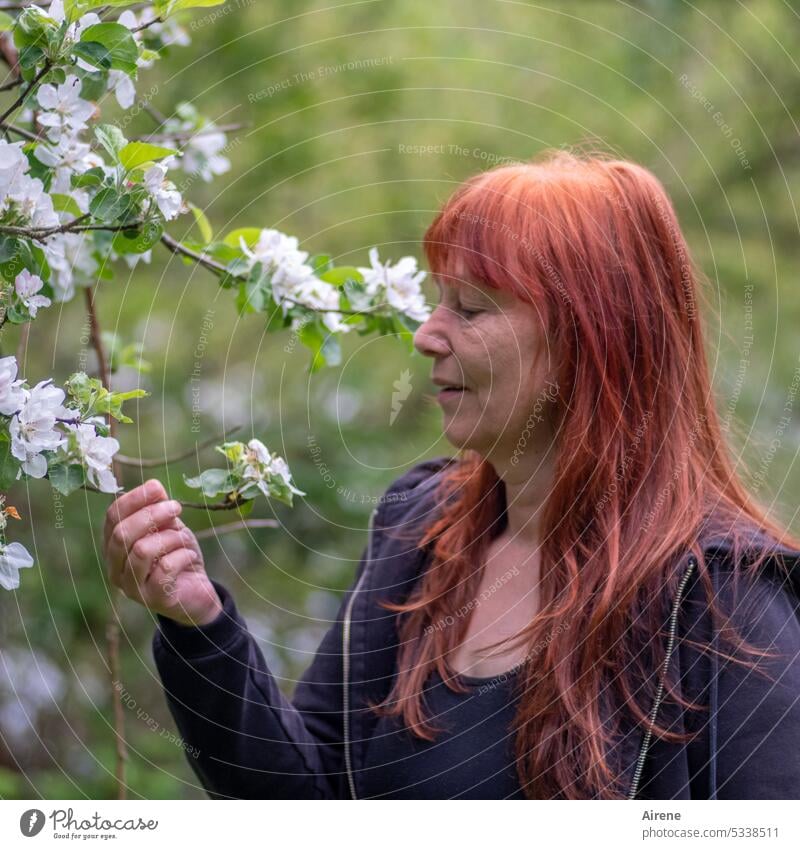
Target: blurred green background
(333,95)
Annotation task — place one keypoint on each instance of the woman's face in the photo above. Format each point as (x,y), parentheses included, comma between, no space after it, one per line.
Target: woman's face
(488,342)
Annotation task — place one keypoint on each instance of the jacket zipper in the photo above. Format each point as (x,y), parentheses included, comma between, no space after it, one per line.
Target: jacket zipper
(346,663)
(673,628)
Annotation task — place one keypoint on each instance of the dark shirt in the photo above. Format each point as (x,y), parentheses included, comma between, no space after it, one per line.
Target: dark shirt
(472,756)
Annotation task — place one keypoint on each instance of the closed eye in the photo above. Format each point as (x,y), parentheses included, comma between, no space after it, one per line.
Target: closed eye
(467,313)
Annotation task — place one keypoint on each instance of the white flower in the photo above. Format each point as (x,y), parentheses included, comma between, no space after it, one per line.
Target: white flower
(277,466)
(257,452)
(399,283)
(27,285)
(69,156)
(123,87)
(163,191)
(97,452)
(13,557)
(65,111)
(320,295)
(13,164)
(23,194)
(201,153)
(274,249)
(260,464)
(168,31)
(12,395)
(71,262)
(33,430)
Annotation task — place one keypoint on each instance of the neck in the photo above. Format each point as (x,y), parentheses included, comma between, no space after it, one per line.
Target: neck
(528,481)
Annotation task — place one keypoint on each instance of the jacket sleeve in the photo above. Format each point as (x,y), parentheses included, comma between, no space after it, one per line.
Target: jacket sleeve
(244,738)
(757,711)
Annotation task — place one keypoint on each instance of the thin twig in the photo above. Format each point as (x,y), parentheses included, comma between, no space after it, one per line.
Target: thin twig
(144,463)
(147,24)
(26,134)
(73,226)
(23,97)
(194,505)
(112,625)
(188,135)
(212,265)
(154,113)
(231,527)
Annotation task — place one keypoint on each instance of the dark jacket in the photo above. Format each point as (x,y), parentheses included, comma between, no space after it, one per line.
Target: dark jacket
(249,741)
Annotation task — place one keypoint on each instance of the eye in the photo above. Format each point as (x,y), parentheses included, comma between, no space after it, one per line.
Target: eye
(467,313)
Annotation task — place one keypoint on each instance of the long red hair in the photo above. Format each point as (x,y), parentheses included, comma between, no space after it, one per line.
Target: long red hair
(641,462)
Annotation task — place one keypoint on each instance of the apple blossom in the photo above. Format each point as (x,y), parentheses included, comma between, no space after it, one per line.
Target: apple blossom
(12,395)
(26,286)
(166,196)
(13,557)
(65,110)
(33,428)
(399,283)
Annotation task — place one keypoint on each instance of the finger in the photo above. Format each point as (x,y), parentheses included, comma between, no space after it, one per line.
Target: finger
(145,553)
(126,505)
(167,568)
(146,521)
(149,550)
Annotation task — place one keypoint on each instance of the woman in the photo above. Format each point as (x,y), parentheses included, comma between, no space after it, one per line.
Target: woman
(585,603)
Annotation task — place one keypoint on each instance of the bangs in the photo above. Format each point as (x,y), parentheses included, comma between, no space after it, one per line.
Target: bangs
(483,232)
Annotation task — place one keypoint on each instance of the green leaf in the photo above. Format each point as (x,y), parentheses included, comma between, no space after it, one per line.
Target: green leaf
(172,6)
(137,153)
(250,235)
(8,463)
(243,510)
(30,57)
(213,482)
(255,292)
(94,53)
(320,263)
(6,22)
(324,345)
(65,203)
(339,276)
(66,478)
(93,397)
(137,241)
(111,138)
(119,43)
(203,224)
(109,204)
(92,177)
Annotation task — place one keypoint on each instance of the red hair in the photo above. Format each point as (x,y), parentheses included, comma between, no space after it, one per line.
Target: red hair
(641,463)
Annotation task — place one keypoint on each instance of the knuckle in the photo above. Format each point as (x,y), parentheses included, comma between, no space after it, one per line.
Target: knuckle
(118,536)
(140,549)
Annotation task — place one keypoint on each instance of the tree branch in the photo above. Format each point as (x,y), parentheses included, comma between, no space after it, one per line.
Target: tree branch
(23,97)
(217,267)
(188,135)
(112,625)
(230,527)
(152,463)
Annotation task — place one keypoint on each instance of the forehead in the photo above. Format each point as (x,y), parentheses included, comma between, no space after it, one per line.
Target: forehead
(474,289)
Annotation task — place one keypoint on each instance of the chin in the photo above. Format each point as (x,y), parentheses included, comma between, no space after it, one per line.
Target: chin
(463,437)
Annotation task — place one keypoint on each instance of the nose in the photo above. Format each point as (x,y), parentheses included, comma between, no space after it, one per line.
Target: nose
(430,338)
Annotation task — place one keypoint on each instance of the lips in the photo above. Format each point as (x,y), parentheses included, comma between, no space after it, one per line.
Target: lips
(446,385)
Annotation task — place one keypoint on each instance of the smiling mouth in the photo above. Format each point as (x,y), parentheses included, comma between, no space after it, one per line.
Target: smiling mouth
(451,391)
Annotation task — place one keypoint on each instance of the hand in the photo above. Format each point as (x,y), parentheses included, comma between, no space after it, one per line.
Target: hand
(155,559)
